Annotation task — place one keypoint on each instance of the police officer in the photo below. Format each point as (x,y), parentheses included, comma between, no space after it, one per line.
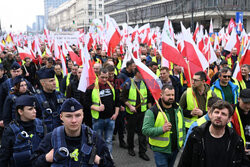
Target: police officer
(9,108)
(72,144)
(49,100)
(6,87)
(22,136)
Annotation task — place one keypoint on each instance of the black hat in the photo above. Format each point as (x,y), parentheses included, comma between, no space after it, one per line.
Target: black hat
(245,95)
(26,100)
(18,79)
(15,66)
(46,73)
(70,105)
(1,66)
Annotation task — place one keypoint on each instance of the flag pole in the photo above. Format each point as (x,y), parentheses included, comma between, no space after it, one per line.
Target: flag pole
(189,73)
(158,105)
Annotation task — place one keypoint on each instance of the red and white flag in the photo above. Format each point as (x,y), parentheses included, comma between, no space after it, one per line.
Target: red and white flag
(245,59)
(211,28)
(196,31)
(169,50)
(196,59)
(74,57)
(152,81)
(233,42)
(88,75)
(24,53)
(113,36)
(231,25)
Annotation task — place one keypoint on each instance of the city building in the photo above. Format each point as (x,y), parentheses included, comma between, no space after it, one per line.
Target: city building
(75,14)
(154,12)
(50,4)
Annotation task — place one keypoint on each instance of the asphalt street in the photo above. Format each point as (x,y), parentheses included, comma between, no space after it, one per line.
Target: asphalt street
(122,159)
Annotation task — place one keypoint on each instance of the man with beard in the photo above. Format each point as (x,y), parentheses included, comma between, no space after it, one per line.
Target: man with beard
(214,143)
(166,136)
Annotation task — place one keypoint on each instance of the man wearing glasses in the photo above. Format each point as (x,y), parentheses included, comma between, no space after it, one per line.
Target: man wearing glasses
(194,100)
(224,88)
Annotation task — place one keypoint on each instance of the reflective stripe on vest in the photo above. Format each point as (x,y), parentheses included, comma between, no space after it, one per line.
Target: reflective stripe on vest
(68,79)
(119,65)
(241,126)
(164,139)
(190,106)
(133,96)
(95,96)
(242,84)
(57,84)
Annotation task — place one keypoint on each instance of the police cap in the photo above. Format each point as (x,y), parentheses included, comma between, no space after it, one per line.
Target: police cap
(15,66)
(46,73)
(18,79)
(26,100)
(70,105)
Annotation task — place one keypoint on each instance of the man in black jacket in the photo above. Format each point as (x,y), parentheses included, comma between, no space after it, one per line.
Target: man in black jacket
(214,143)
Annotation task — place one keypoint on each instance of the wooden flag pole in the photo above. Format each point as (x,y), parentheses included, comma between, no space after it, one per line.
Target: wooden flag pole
(164,115)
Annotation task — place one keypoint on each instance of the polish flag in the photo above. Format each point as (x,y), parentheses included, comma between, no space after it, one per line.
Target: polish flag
(216,42)
(245,59)
(169,50)
(209,53)
(88,75)
(231,25)
(112,35)
(152,81)
(24,53)
(211,28)
(136,47)
(221,34)
(196,59)
(63,60)
(196,31)
(233,42)
(74,57)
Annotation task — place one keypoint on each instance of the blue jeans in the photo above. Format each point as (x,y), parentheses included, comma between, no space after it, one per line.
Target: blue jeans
(105,128)
(164,159)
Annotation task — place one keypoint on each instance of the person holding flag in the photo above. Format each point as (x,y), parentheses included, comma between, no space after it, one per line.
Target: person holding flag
(137,99)
(166,136)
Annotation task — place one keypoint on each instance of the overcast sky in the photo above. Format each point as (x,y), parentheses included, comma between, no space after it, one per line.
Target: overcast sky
(19,13)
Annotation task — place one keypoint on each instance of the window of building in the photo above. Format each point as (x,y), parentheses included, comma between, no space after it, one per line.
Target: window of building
(100,5)
(212,2)
(100,13)
(90,6)
(90,13)
(90,20)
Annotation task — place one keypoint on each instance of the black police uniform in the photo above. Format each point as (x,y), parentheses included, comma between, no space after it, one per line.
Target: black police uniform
(48,104)
(72,151)
(20,139)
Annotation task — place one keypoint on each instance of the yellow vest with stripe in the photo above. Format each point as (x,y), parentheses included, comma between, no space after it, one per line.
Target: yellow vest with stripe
(68,79)
(218,94)
(242,84)
(190,106)
(133,96)
(241,126)
(229,62)
(119,65)
(159,66)
(57,84)
(164,139)
(95,96)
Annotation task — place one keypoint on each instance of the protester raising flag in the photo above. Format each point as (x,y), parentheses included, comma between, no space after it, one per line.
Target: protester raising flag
(152,81)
